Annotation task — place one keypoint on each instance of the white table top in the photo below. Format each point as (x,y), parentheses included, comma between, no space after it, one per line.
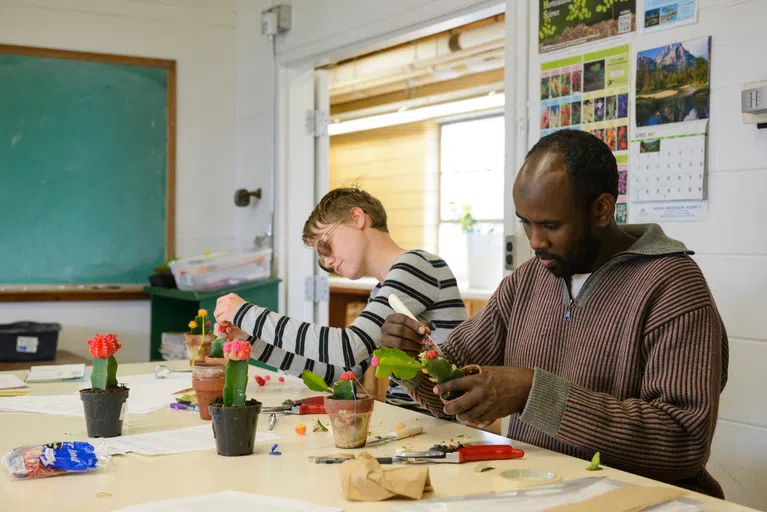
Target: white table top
(136,479)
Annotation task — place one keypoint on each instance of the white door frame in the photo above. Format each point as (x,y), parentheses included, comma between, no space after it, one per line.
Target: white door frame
(290,218)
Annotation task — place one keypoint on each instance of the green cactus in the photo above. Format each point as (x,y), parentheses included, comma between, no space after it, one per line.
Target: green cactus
(343,390)
(104,373)
(217,347)
(236,381)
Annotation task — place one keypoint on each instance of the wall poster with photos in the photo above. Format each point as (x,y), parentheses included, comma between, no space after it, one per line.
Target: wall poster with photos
(590,92)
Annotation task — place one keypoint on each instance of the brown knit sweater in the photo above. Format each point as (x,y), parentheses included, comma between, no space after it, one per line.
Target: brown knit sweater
(634,371)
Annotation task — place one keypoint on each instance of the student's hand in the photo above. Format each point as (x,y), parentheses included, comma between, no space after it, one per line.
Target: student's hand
(226,308)
(404,333)
(495,393)
(229,331)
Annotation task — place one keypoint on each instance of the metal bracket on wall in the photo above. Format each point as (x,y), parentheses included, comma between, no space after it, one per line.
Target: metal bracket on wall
(317,122)
(316,288)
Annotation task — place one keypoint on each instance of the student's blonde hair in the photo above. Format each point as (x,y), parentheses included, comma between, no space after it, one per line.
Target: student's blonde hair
(337,205)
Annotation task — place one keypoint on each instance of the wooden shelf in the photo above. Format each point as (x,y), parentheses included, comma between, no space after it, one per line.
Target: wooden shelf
(48,293)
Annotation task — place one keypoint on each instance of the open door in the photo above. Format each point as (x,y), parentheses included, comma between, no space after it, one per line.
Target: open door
(306,159)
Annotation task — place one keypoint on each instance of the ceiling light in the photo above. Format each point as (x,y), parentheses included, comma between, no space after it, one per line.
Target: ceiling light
(484,102)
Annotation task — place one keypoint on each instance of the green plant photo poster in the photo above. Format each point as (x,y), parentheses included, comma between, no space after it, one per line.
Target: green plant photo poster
(566,23)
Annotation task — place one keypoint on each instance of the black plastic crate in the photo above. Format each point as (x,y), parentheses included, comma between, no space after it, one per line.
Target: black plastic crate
(28,341)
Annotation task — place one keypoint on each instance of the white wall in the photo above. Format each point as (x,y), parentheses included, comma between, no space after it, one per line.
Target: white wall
(731,246)
(200,36)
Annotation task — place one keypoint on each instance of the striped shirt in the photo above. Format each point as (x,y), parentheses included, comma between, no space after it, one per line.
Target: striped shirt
(423,282)
(632,367)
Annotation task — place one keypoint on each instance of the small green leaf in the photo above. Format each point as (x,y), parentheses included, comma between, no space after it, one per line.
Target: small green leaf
(394,361)
(314,381)
(594,463)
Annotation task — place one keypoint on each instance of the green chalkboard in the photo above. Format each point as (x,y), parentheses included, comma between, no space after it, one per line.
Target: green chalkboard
(84,167)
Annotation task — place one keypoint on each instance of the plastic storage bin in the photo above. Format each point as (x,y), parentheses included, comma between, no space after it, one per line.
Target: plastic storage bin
(28,341)
(220,270)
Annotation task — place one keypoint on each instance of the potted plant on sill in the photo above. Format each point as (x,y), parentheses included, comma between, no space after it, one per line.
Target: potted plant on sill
(104,402)
(483,252)
(349,412)
(234,417)
(391,361)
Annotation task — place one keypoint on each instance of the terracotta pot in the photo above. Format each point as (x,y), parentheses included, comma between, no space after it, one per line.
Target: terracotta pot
(192,342)
(350,420)
(208,384)
(215,360)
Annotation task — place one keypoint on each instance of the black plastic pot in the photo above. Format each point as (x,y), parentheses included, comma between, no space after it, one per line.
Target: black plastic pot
(162,280)
(235,427)
(104,411)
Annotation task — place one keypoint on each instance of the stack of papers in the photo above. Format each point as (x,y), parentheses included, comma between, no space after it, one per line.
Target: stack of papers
(167,442)
(56,372)
(172,346)
(228,500)
(11,385)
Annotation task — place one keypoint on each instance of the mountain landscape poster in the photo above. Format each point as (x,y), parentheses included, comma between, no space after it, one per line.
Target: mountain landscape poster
(672,83)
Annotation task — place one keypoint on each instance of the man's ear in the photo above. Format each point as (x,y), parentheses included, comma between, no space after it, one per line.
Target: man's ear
(603,210)
(358,217)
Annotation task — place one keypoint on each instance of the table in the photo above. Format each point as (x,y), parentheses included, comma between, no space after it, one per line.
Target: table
(137,479)
(172,309)
(62,357)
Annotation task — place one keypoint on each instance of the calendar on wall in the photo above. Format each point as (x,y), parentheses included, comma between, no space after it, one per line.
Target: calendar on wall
(668,175)
(668,169)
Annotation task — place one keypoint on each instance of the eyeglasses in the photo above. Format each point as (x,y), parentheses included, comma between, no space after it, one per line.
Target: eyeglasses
(324,248)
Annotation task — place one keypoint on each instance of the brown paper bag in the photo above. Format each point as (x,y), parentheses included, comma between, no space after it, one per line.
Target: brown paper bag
(363,479)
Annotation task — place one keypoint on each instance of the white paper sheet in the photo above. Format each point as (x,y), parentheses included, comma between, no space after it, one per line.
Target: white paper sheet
(148,393)
(11,382)
(167,442)
(228,500)
(58,405)
(56,372)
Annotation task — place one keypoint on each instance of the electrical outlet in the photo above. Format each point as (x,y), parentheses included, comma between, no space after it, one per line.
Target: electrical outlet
(516,250)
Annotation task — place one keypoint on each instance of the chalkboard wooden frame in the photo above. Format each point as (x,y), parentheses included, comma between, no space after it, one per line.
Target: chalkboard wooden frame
(128,292)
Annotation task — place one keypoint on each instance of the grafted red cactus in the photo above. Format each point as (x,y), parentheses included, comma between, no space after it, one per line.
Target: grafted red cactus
(104,345)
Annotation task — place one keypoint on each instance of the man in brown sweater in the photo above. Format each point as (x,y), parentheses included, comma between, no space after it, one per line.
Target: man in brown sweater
(609,340)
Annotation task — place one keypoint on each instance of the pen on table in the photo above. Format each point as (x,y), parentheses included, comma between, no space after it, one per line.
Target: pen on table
(184,407)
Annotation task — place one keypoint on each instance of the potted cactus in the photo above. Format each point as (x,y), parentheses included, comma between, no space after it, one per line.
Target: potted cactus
(216,352)
(105,401)
(199,338)
(391,361)
(349,412)
(235,417)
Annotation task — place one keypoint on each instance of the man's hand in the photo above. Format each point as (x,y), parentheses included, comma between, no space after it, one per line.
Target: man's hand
(404,333)
(229,331)
(226,308)
(495,393)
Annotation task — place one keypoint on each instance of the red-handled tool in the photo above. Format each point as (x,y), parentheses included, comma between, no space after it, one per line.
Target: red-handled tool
(312,405)
(476,453)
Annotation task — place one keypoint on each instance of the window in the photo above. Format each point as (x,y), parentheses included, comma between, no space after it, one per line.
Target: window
(472,178)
